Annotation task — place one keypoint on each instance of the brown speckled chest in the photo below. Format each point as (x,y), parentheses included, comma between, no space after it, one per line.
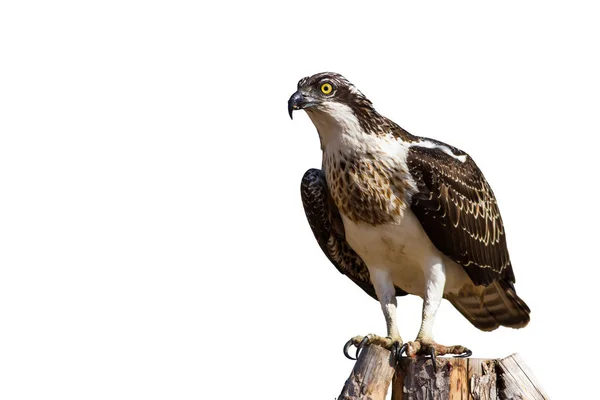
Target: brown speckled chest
(366,189)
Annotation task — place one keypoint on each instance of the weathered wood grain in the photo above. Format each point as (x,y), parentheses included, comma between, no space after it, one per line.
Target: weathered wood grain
(458,382)
(454,378)
(516,380)
(371,376)
(398,385)
(482,379)
(416,379)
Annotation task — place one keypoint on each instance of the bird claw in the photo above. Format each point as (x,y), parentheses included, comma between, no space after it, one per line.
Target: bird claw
(465,354)
(399,350)
(360,345)
(403,348)
(346,347)
(433,349)
(386,342)
(433,360)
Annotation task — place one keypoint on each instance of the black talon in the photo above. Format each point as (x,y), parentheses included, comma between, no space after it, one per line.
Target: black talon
(346,347)
(360,345)
(403,349)
(396,352)
(433,360)
(467,353)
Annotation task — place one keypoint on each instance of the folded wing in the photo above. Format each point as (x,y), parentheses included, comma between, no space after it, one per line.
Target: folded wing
(328,228)
(459,213)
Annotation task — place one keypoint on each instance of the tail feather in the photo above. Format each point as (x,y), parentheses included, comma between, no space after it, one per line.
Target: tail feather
(497,305)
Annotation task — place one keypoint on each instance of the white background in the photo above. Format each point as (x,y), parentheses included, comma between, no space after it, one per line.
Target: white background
(153,243)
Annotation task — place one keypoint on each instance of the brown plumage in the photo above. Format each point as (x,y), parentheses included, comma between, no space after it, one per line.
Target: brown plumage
(325,221)
(498,305)
(418,211)
(458,210)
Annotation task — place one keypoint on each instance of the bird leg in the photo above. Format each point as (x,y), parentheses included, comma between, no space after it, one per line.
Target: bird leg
(424,343)
(386,293)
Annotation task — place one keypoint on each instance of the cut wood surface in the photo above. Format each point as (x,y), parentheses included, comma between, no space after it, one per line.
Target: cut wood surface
(453,378)
(517,381)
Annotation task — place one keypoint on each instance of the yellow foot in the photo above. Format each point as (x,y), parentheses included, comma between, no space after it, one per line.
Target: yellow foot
(392,344)
(433,349)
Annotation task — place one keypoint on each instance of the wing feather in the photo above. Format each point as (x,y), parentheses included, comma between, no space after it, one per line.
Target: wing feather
(328,228)
(459,212)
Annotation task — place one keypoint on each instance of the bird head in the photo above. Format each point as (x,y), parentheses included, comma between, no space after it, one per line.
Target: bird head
(327,93)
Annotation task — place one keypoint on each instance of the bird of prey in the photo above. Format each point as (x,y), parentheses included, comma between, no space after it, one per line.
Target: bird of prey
(400,214)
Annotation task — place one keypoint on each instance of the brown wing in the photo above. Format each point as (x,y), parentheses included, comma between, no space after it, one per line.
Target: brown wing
(459,213)
(328,228)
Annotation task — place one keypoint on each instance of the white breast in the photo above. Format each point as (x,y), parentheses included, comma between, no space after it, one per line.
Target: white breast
(405,251)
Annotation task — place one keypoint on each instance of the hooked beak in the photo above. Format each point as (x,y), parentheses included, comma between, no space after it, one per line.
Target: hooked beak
(298,101)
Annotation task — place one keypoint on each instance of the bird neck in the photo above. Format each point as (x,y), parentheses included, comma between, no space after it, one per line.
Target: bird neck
(341,128)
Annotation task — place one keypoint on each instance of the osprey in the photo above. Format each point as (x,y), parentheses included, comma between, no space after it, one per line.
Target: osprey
(400,214)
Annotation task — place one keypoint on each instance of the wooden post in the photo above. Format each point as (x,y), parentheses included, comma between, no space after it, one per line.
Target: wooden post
(453,378)
(482,379)
(371,376)
(417,380)
(517,381)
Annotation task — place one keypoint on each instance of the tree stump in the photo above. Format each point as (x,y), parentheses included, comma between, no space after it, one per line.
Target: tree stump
(453,378)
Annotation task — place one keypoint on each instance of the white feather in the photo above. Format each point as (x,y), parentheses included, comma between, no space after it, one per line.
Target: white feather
(431,145)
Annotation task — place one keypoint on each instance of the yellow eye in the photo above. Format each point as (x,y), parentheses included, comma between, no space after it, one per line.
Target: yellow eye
(326,88)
